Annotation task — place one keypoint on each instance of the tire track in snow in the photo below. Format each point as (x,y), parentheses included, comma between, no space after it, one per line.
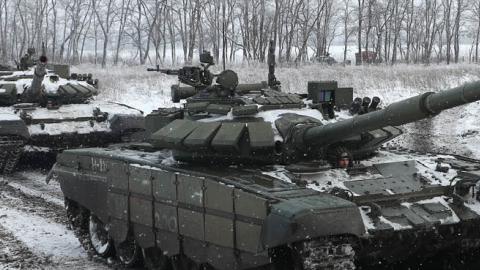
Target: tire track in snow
(15,255)
(33,183)
(34,228)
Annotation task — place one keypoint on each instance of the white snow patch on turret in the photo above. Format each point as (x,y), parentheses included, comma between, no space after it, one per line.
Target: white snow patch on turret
(394,225)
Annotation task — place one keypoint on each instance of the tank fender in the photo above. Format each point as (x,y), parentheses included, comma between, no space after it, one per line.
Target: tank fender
(97,185)
(13,125)
(51,174)
(310,217)
(121,123)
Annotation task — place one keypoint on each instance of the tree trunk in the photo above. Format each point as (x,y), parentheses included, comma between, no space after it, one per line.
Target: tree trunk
(359,36)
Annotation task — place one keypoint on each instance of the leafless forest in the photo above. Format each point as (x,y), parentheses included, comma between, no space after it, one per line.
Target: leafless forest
(156,31)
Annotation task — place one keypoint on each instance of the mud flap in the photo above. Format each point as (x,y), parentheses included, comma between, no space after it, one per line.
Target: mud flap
(51,174)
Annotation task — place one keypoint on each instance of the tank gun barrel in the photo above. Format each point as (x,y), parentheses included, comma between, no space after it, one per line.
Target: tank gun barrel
(182,92)
(399,113)
(35,90)
(164,71)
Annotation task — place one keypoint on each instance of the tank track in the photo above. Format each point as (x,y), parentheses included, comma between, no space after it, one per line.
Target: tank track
(321,254)
(11,149)
(78,218)
(335,253)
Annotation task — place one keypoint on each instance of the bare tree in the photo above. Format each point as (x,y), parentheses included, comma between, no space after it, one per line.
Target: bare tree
(361,5)
(458,15)
(3,29)
(124,11)
(476,18)
(408,30)
(347,29)
(105,24)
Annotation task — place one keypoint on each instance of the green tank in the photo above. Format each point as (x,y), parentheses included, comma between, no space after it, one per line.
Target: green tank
(43,113)
(263,179)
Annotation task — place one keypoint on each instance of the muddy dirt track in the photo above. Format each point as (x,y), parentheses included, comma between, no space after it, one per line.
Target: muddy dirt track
(34,231)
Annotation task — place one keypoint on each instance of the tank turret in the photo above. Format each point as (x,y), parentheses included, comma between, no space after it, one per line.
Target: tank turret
(200,81)
(237,124)
(249,132)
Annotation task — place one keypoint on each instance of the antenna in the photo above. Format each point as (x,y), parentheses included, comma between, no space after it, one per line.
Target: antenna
(272,80)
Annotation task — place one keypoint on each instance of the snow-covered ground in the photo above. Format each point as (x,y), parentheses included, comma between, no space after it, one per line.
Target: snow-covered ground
(148,90)
(34,231)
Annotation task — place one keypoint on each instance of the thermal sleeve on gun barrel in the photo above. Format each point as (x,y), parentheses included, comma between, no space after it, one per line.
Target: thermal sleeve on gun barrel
(396,114)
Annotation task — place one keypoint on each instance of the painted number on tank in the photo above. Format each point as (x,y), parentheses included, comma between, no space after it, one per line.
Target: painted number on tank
(99,165)
(169,221)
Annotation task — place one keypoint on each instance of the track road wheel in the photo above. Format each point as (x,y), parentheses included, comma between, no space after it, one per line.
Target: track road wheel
(79,219)
(335,253)
(99,238)
(11,149)
(154,259)
(72,209)
(129,253)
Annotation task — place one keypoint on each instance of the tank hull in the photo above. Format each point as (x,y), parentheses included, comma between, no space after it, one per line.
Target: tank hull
(243,218)
(29,128)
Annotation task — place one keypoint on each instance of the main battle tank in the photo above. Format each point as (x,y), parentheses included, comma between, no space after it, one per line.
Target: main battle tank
(262,179)
(43,112)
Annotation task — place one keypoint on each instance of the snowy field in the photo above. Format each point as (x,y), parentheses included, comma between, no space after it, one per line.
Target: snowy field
(34,232)
(458,128)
